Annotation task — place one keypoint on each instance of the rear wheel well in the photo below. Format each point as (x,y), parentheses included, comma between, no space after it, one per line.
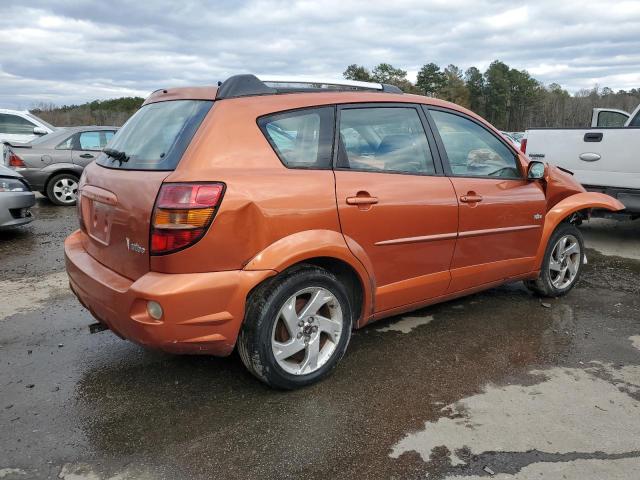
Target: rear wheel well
(56,173)
(339,268)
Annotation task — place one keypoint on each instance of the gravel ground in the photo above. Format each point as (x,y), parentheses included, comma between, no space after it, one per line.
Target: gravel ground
(497,384)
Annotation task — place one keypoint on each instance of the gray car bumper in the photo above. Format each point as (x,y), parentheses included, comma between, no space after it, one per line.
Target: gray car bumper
(14,208)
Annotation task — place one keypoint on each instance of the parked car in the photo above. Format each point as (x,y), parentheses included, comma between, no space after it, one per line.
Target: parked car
(511,136)
(21,126)
(53,164)
(278,216)
(16,199)
(603,159)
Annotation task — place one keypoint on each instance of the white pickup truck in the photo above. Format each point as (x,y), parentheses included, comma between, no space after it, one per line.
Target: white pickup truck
(604,159)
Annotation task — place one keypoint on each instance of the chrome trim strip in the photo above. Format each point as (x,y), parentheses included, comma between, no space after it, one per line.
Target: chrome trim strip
(489,231)
(448,236)
(426,238)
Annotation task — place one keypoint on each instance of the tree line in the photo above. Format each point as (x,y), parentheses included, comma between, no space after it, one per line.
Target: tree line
(112,112)
(510,99)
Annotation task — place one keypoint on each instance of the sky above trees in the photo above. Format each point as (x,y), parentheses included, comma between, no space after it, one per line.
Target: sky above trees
(74,51)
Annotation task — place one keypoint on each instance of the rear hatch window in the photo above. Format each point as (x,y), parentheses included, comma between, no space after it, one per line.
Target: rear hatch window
(156,136)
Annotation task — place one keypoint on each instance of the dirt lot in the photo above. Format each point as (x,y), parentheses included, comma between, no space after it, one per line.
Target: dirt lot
(499,382)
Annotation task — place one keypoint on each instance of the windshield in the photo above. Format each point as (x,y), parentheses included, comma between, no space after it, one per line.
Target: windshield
(156,136)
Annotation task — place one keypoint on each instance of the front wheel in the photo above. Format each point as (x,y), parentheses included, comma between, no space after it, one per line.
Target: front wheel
(297,329)
(562,263)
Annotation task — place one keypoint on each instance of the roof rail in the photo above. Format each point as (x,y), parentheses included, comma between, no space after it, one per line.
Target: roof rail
(249,85)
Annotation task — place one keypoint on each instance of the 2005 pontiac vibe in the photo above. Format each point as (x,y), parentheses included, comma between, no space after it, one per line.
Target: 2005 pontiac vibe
(276,216)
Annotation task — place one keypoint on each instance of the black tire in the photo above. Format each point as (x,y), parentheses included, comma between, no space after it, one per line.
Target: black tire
(54,182)
(544,285)
(263,307)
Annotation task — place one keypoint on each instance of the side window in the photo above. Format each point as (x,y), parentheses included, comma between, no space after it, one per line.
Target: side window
(389,139)
(66,144)
(302,138)
(472,150)
(636,121)
(90,141)
(15,125)
(611,119)
(105,137)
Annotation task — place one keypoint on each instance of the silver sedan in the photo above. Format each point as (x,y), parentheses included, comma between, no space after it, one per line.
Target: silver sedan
(53,163)
(16,199)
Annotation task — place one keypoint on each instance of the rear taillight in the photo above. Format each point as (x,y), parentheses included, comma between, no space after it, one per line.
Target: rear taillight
(523,145)
(182,214)
(14,160)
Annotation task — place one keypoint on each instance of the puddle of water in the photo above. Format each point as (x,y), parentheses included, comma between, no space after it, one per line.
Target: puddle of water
(31,292)
(581,412)
(406,324)
(11,472)
(626,468)
(83,471)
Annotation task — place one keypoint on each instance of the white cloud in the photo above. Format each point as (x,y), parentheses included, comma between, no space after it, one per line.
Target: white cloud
(69,52)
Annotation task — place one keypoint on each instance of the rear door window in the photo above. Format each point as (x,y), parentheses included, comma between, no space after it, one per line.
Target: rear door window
(90,141)
(390,139)
(301,138)
(157,135)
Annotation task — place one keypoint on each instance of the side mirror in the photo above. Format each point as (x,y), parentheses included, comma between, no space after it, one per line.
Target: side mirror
(39,131)
(536,170)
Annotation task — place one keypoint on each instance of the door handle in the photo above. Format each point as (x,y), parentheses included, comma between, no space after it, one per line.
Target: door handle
(471,198)
(589,157)
(593,137)
(86,155)
(362,200)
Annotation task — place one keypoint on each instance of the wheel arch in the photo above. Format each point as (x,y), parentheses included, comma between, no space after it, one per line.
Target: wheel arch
(326,249)
(67,168)
(564,211)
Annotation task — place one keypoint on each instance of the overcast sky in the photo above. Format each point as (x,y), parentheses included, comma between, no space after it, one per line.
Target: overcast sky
(73,51)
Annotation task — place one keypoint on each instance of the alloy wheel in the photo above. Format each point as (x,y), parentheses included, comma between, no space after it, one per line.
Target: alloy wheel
(66,190)
(565,261)
(307,331)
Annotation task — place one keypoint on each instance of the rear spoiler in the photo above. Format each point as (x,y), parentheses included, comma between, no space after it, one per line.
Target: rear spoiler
(17,145)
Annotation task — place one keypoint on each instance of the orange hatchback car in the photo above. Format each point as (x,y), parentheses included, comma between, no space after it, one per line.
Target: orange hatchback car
(279,215)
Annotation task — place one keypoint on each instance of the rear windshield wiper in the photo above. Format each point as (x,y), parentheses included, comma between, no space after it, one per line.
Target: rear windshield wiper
(116,155)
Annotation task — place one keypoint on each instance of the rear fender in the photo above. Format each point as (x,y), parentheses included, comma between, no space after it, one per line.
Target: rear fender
(311,244)
(572,204)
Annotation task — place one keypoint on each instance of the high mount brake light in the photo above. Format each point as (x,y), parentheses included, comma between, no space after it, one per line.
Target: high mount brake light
(182,214)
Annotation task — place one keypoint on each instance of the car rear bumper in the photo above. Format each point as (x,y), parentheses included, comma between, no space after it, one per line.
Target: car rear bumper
(14,208)
(203,312)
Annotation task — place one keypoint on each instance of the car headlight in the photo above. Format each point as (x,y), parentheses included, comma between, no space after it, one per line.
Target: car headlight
(13,185)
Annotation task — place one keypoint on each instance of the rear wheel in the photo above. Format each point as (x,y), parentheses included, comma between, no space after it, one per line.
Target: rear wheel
(296,329)
(562,263)
(63,189)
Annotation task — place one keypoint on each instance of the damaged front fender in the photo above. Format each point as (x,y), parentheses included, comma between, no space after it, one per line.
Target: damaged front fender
(564,210)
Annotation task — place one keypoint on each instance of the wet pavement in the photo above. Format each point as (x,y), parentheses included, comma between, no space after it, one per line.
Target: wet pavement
(499,384)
